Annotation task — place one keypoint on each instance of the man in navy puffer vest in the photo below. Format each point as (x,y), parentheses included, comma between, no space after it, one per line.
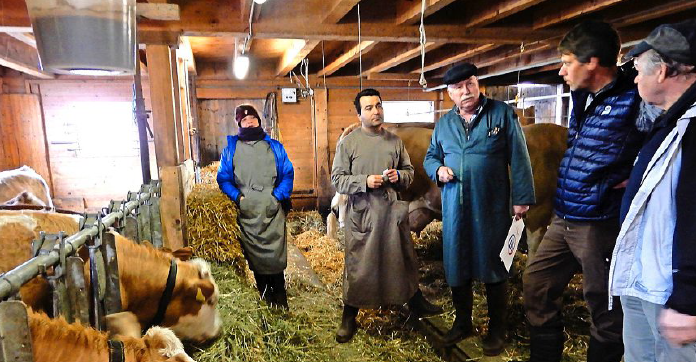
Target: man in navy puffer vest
(603,142)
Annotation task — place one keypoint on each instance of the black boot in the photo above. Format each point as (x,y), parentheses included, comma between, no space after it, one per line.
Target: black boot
(463,300)
(348,324)
(278,296)
(263,285)
(546,344)
(604,351)
(496,296)
(422,307)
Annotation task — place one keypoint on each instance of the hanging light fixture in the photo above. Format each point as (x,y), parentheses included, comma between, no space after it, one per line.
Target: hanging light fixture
(241,66)
(85,37)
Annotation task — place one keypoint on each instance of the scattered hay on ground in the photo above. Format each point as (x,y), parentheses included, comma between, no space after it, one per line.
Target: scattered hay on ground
(323,254)
(301,221)
(209,173)
(212,228)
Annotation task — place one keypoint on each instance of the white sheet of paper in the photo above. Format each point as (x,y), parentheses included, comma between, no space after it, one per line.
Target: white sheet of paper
(511,242)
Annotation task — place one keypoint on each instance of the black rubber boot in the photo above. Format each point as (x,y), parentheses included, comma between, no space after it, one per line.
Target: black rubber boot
(279,296)
(463,300)
(496,296)
(348,324)
(604,351)
(263,285)
(546,344)
(422,307)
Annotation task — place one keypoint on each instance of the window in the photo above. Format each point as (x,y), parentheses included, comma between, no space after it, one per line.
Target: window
(409,111)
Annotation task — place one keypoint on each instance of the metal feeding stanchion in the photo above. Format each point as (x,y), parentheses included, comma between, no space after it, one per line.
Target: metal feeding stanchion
(15,337)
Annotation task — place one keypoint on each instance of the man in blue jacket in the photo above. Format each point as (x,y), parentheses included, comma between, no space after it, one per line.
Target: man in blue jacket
(603,141)
(257,175)
(653,267)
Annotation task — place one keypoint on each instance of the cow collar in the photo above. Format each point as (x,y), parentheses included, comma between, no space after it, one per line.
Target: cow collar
(166,295)
(116,353)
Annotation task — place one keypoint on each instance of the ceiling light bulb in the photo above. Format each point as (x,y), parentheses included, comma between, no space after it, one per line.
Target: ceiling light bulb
(241,66)
(259,1)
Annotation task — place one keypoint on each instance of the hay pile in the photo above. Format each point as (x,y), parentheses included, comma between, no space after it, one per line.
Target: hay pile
(212,228)
(323,254)
(209,173)
(301,221)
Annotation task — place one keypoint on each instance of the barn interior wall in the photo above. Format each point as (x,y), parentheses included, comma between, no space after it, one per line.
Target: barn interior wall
(90,164)
(297,124)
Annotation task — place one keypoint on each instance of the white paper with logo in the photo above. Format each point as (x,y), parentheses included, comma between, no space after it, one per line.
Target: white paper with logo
(511,242)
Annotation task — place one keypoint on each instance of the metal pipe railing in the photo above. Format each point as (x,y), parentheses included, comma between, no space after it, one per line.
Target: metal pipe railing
(11,281)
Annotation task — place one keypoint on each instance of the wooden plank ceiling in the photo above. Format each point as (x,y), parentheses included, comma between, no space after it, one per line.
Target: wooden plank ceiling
(503,37)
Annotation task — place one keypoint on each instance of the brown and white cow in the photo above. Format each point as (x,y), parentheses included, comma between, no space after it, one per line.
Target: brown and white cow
(57,340)
(546,144)
(23,186)
(143,271)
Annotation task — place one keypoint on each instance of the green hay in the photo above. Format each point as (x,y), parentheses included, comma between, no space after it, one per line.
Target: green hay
(254,332)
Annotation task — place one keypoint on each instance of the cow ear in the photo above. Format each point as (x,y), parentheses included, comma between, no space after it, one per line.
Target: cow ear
(203,291)
(183,254)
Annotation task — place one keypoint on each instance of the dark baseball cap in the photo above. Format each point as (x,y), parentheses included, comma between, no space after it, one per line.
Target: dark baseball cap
(675,41)
(459,73)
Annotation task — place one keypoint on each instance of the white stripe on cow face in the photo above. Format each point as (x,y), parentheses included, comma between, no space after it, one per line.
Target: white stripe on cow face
(201,327)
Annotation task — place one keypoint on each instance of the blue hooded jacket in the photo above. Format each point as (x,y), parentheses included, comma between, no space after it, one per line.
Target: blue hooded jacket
(284,180)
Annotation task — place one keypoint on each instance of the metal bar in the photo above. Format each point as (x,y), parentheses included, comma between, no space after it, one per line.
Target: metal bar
(79,304)
(11,281)
(112,296)
(144,231)
(141,118)
(15,336)
(156,222)
(131,229)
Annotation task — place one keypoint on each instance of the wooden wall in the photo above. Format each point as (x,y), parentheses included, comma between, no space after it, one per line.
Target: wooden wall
(90,164)
(23,134)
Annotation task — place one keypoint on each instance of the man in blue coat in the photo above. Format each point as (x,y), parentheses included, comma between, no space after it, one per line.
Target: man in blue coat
(603,142)
(471,149)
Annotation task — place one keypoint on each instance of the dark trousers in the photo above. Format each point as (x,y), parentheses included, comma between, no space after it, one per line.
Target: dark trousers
(569,247)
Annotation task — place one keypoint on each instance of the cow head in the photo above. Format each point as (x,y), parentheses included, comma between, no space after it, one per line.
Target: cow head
(195,302)
(163,345)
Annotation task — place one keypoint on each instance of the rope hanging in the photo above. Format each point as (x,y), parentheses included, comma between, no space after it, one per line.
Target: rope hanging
(421,29)
(360,47)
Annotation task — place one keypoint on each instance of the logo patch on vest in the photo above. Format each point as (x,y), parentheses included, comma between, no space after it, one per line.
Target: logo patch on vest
(606,110)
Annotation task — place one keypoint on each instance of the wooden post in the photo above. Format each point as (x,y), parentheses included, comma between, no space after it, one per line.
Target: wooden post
(323,180)
(185,107)
(195,136)
(162,100)
(177,106)
(172,208)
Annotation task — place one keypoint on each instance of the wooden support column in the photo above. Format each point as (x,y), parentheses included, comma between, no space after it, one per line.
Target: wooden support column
(162,99)
(323,185)
(172,206)
(177,107)
(185,106)
(23,135)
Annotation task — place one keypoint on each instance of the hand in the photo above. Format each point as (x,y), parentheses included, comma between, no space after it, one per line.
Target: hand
(374,181)
(520,210)
(678,329)
(241,198)
(392,175)
(445,174)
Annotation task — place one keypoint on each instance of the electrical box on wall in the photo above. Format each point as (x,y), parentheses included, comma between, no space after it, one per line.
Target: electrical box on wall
(289,95)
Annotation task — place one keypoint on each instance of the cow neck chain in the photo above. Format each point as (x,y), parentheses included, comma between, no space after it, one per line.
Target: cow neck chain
(116,352)
(166,295)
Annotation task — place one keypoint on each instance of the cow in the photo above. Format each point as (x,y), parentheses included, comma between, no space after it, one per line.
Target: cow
(143,272)
(23,186)
(546,144)
(57,340)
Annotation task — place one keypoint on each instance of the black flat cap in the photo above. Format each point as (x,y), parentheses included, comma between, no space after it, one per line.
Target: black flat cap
(676,41)
(459,73)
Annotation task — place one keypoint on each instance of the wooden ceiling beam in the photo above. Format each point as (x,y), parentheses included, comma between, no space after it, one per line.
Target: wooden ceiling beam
(621,19)
(409,12)
(347,57)
(526,61)
(26,38)
(337,9)
(456,55)
(560,11)
(293,56)
(499,55)
(396,55)
(394,76)
(158,11)
(486,13)
(21,57)
(244,10)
